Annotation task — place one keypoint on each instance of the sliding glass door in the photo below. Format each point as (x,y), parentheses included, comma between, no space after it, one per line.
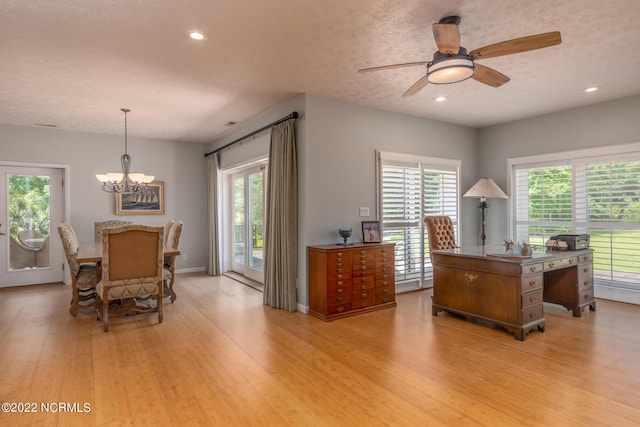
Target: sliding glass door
(247,222)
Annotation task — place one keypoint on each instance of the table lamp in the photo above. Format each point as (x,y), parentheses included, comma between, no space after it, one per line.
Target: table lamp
(484,189)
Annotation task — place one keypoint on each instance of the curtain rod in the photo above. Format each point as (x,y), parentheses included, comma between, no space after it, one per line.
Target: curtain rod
(293,115)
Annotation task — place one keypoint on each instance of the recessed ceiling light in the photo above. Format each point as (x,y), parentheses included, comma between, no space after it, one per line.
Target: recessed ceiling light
(591,89)
(441,99)
(197,35)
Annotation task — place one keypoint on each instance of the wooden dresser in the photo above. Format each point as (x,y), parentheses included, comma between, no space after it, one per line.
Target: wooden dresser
(349,280)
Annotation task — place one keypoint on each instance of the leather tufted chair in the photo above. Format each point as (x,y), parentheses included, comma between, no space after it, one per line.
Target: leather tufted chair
(441,233)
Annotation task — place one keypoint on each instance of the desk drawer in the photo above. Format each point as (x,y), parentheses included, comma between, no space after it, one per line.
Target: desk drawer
(532,283)
(560,263)
(532,314)
(340,290)
(532,268)
(585,296)
(531,298)
(383,299)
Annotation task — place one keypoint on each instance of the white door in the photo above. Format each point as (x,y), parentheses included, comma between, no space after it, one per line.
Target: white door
(247,193)
(31,205)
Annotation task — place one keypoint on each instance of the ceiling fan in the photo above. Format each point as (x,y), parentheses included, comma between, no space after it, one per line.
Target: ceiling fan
(451,63)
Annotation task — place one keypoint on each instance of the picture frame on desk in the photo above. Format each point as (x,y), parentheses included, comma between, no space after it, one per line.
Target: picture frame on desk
(148,202)
(371,232)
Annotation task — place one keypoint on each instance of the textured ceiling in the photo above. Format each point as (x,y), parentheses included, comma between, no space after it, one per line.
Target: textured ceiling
(75,63)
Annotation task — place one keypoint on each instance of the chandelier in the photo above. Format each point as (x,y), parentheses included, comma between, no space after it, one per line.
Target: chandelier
(125,181)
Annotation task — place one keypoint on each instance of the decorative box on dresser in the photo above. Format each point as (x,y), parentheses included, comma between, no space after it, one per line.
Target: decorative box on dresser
(349,280)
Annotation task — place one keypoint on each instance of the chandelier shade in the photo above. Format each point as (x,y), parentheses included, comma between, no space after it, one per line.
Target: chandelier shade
(125,181)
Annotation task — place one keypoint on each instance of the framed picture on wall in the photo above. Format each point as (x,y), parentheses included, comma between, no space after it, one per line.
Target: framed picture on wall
(148,202)
(371,231)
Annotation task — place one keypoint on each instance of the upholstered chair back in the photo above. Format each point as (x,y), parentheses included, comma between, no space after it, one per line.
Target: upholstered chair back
(101,225)
(70,246)
(440,232)
(132,254)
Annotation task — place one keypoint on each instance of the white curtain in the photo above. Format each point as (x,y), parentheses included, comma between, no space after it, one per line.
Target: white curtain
(281,224)
(213,261)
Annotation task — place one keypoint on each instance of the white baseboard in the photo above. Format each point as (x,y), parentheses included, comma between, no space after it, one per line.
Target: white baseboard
(617,294)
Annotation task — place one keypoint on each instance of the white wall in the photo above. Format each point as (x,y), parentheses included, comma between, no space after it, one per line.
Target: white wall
(180,165)
(607,123)
(336,144)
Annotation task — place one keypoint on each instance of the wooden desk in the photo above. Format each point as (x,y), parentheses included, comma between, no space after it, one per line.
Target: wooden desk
(480,283)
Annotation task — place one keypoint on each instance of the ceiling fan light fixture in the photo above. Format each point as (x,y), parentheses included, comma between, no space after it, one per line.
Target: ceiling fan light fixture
(450,69)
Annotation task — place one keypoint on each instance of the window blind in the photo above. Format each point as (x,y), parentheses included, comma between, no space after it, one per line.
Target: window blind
(599,196)
(410,190)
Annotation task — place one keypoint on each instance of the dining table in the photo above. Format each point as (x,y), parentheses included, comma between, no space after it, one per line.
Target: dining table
(92,252)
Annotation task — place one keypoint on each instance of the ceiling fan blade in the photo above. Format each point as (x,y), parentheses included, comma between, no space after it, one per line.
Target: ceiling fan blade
(447,38)
(489,76)
(388,67)
(523,44)
(416,87)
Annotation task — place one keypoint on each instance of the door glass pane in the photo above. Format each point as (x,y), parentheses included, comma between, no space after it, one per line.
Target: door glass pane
(256,213)
(238,220)
(29,222)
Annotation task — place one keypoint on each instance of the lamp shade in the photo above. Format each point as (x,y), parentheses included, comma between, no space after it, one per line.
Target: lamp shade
(486,188)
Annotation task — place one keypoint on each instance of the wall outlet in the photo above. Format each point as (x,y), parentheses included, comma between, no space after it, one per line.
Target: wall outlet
(364,211)
(185,257)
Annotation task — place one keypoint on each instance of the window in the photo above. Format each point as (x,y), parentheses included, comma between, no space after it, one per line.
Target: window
(410,188)
(586,193)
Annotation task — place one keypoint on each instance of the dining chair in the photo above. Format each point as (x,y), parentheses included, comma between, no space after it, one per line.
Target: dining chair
(441,233)
(101,225)
(169,269)
(83,276)
(167,228)
(132,259)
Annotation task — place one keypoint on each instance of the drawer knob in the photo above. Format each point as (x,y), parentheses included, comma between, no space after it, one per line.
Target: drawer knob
(363,295)
(340,309)
(551,264)
(340,299)
(586,269)
(532,283)
(532,268)
(587,283)
(570,260)
(532,299)
(532,315)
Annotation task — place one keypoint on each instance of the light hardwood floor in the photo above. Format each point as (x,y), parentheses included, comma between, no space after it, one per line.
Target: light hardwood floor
(221,358)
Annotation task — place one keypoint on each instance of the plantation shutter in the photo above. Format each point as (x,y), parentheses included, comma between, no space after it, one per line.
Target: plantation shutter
(410,190)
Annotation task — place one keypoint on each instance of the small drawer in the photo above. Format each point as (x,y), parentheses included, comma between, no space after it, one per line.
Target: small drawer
(385,277)
(383,299)
(339,299)
(336,275)
(363,280)
(531,298)
(363,299)
(531,283)
(585,258)
(385,268)
(586,296)
(385,290)
(340,290)
(532,314)
(560,263)
(532,268)
(337,309)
